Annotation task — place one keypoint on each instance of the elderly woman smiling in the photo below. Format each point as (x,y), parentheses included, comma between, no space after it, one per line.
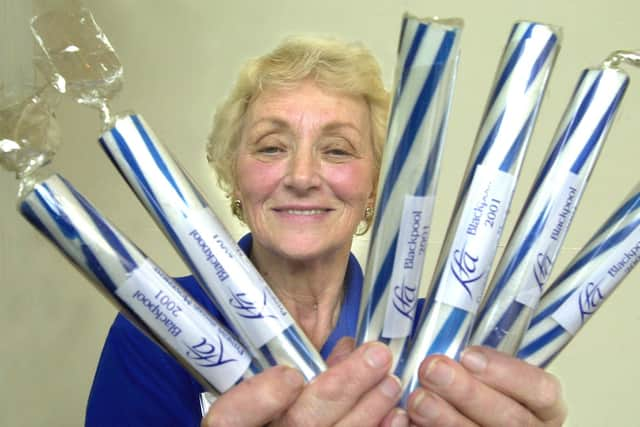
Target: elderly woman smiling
(297,147)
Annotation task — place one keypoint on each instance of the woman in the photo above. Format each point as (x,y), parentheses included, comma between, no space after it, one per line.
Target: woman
(304,128)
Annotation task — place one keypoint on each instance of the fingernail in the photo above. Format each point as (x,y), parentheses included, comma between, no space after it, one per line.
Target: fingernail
(293,377)
(400,419)
(474,361)
(439,374)
(425,406)
(377,355)
(390,387)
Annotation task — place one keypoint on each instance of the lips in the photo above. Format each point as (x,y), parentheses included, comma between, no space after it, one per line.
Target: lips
(302,211)
(305,211)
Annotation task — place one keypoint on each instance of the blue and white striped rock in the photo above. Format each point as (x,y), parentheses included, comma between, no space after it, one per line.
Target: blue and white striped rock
(249,305)
(484,198)
(534,245)
(154,302)
(583,286)
(428,54)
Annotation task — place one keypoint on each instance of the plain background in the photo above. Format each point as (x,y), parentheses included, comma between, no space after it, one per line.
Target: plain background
(180,58)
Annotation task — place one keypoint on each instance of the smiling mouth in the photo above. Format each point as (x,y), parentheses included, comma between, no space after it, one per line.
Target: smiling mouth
(305,212)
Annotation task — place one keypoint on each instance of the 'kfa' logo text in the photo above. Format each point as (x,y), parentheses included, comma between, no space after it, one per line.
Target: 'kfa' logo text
(464,267)
(404,299)
(250,309)
(589,299)
(207,354)
(541,269)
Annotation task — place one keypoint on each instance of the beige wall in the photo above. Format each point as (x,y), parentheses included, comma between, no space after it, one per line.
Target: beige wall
(180,58)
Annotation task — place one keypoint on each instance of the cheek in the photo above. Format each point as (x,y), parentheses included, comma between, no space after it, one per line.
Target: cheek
(256,180)
(352,183)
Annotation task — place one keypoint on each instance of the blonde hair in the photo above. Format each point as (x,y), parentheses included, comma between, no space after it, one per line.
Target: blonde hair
(332,64)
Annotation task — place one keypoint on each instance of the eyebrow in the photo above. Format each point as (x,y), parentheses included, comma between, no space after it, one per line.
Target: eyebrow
(274,122)
(333,126)
(282,124)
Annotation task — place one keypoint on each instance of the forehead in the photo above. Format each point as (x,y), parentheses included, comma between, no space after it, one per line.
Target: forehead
(308,101)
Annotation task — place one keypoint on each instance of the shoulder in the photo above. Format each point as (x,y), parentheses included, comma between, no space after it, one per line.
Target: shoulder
(136,382)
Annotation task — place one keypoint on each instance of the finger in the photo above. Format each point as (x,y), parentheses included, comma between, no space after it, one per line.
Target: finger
(343,348)
(471,397)
(428,409)
(375,405)
(396,418)
(533,387)
(333,393)
(256,400)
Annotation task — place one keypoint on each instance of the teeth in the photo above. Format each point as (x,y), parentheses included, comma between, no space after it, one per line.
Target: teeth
(304,212)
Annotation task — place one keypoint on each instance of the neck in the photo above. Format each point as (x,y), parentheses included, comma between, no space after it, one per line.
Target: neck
(311,290)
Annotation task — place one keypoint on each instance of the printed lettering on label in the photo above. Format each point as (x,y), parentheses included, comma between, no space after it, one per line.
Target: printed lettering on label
(404,284)
(240,292)
(592,287)
(544,251)
(465,272)
(174,317)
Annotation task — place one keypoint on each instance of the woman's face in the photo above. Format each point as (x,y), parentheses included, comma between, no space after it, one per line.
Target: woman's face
(305,170)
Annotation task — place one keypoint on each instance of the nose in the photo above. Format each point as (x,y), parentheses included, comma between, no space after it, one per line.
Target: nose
(303,171)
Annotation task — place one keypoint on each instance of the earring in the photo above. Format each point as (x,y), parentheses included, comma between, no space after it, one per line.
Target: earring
(368,214)
(364,225)
(236,208)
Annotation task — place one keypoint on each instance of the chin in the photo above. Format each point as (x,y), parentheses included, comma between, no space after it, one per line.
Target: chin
(302,248)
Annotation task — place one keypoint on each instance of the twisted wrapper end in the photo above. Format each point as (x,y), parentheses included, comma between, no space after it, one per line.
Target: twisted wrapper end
(615,59)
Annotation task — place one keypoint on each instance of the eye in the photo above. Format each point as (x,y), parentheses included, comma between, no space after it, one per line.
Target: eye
(270,149)
(337,152)
(270,146)
(338,149)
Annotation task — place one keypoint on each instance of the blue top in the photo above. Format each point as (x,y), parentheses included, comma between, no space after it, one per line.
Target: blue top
(138,384)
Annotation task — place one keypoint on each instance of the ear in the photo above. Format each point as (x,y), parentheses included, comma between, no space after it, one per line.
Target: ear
(234,193)
(371,200)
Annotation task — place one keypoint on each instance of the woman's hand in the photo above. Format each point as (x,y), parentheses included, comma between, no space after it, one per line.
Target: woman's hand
(356,390)
(256,400)
(486,388)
